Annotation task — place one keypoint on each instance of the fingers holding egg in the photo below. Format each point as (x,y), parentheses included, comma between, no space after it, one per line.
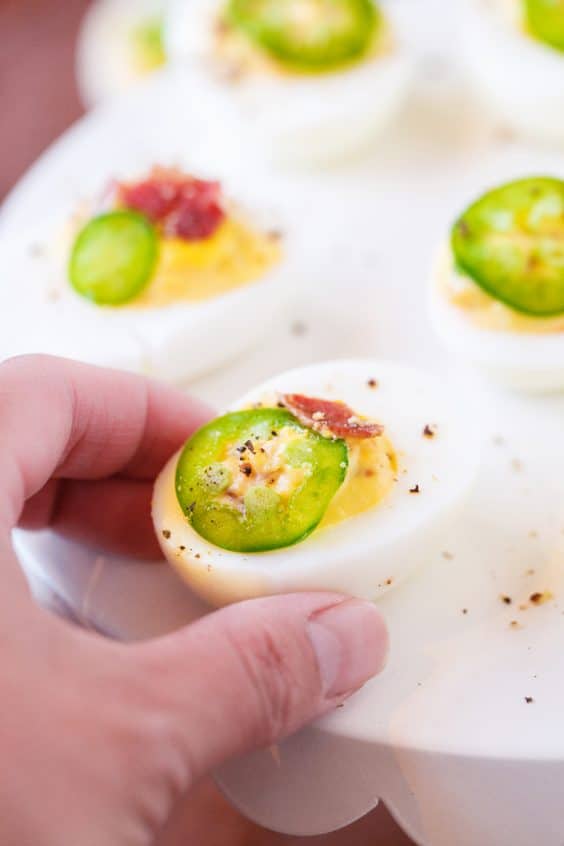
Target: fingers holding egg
(336,476)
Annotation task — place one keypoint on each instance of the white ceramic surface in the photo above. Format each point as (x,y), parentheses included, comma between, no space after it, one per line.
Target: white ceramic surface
(446,735)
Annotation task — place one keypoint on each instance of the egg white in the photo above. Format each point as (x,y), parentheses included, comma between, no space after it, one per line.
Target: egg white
(525,361)
(41,313)
(103,58)
(518,77)
(369,553)
(299,119)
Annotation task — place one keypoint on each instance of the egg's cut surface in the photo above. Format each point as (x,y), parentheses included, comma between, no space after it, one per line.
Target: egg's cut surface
(298,97)
(377,526)
(518,75)
(497,288)
(120,43)
(149,278)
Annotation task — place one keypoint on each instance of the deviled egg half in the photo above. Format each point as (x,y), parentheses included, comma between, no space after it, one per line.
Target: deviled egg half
(120,43)
(313,80)
(515,52)
(497,291)
(164,274)
(338,476)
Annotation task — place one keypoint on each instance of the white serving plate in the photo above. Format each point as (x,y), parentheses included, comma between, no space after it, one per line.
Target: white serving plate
(445,737)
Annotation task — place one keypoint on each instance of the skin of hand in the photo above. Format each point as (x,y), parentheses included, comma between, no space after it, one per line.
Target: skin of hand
(100,740)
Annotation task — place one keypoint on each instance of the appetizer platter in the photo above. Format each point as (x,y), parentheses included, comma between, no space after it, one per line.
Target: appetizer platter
(417,351)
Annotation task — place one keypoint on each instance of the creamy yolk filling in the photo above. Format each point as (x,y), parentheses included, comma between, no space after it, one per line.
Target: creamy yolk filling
(235,255)
(238,56)
(484,310)
(371,473)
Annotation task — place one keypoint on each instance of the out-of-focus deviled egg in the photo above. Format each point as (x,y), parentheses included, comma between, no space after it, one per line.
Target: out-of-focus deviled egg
(120,43)
(314,80)
(165,274)
(338,476)
(497,292)
(515,53)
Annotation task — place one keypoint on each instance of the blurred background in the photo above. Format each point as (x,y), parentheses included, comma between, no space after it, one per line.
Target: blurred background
(39,100)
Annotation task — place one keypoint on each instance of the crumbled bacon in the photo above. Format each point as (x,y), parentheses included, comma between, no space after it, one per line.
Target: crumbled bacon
(328,417)
(185,207)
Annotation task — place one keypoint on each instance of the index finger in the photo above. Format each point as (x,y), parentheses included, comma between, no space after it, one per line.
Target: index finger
(64,420)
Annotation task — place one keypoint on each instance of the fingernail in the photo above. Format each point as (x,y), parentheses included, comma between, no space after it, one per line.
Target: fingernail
(351,644)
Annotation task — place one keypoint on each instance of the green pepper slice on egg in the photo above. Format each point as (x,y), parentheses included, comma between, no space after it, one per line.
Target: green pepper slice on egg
(545,19)
(113,257)
(257,479)
(308,35)
(148,44)
(510,242)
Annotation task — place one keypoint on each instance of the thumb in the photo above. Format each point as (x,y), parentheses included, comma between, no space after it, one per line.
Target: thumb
(252,673)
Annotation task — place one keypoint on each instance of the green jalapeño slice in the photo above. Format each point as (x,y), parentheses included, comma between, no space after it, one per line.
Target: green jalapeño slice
(511,243)
(147,42)
(113,257)
(545,19)
(308,35)
(258,479)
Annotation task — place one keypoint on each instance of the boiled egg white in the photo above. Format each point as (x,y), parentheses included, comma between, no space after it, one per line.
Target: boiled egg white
(40,312)
(436,452)
(519,352)
(518,76)
(119,44)
(297,118)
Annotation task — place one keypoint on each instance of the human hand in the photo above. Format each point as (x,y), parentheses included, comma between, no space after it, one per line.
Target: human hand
(99,740)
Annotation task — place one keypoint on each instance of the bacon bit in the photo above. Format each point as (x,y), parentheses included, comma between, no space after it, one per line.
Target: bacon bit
(538,598)
(246,468)
(333,418)
(185,207)
(166,534)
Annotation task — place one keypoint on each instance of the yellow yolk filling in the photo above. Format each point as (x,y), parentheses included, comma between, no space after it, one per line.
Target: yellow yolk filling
(482,309)
(237,56)
(235,255)
(372,471)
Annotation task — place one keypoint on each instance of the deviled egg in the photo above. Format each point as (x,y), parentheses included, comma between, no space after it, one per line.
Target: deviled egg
(165,274)
(337,476)
(120,43)
(515,52)
(314,80)
(497,292)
